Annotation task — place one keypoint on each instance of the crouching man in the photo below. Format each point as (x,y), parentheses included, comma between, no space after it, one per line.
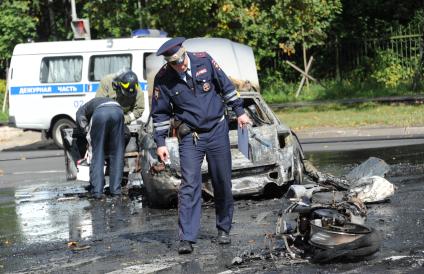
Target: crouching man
(102,119)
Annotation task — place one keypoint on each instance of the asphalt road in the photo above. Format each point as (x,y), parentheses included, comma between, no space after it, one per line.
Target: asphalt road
(22,166)
(40,215)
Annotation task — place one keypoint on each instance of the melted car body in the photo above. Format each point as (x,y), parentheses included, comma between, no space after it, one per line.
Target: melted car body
(275,157)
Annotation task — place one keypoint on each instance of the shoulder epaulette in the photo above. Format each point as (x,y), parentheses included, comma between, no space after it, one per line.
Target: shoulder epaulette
(200,54)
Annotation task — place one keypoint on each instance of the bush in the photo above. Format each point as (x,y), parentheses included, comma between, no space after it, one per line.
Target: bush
(2,86)
(3,116)
(274,89)
(388,69)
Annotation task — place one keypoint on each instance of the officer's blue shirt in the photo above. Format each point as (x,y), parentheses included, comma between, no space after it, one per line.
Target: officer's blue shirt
(202,107)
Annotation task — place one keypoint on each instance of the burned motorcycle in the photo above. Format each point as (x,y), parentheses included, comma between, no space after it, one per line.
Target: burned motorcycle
(325,221)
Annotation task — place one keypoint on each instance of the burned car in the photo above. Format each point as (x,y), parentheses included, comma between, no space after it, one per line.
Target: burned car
(274,157)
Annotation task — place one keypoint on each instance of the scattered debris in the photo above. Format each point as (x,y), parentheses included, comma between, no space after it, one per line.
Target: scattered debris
(74,246)
(325,221)
(63,199)
(237,261)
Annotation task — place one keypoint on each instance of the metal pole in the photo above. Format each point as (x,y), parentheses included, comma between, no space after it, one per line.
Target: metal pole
(74,10)
(304,55)
(6,92)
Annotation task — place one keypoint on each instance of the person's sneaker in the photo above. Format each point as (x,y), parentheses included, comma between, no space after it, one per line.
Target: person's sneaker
(223,237)
(185,247)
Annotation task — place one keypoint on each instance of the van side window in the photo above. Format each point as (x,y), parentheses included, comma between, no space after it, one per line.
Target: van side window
(145,55)
(151,64)
(102,65)
(61,69)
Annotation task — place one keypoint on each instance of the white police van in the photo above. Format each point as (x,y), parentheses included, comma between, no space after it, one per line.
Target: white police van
(49,81)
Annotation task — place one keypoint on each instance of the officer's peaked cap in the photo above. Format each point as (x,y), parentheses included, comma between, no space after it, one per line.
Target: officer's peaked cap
(172,49)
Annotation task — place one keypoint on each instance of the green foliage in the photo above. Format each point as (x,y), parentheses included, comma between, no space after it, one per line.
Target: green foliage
(3,116)
(275,89)
(2,86)
(272,26)
(372,18)
(16,26)
(111,18)
(388,69)
(189,18)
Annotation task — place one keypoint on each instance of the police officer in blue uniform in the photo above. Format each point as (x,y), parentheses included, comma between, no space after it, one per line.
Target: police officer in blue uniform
(103,120)
(193,89)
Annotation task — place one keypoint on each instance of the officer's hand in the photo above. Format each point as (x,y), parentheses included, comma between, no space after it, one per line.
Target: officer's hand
(243,120)
(163,153)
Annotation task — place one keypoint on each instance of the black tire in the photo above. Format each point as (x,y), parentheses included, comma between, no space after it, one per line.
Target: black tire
(364,246)
(57,127)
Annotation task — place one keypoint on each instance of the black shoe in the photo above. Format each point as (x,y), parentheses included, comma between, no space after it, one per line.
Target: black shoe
(223,237)
(185,247)
(96,196)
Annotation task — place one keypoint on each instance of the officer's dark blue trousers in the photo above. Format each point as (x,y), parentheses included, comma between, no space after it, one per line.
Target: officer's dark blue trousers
(215,144)
(107,134)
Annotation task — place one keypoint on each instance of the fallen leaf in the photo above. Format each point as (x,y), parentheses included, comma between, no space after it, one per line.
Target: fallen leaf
(72,244)
(75,247)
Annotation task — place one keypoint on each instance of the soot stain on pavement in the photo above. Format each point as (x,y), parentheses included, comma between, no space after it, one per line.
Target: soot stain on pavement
(37,223)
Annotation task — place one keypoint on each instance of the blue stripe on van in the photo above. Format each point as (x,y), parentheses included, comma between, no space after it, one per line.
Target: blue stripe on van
(47,89)
(60,89)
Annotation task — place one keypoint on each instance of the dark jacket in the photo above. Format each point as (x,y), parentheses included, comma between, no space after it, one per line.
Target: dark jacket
(201,108)
(85,112)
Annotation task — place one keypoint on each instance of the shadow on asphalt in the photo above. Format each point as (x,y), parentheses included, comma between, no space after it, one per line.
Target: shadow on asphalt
(40,145)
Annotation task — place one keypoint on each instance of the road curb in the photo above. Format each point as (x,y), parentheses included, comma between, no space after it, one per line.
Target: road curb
(359,139)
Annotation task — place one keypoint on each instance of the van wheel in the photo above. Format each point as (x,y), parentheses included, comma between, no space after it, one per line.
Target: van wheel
(58,126)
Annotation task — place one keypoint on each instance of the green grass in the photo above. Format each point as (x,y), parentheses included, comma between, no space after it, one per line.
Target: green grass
(279,92)
(4,117)
(337,115)
(363,115)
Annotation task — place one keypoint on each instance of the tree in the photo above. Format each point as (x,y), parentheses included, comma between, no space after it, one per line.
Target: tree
(16,26)
(111,18)
(269,26)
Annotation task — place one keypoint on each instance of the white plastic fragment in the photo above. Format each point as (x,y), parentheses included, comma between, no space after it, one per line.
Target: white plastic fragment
(373,189)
